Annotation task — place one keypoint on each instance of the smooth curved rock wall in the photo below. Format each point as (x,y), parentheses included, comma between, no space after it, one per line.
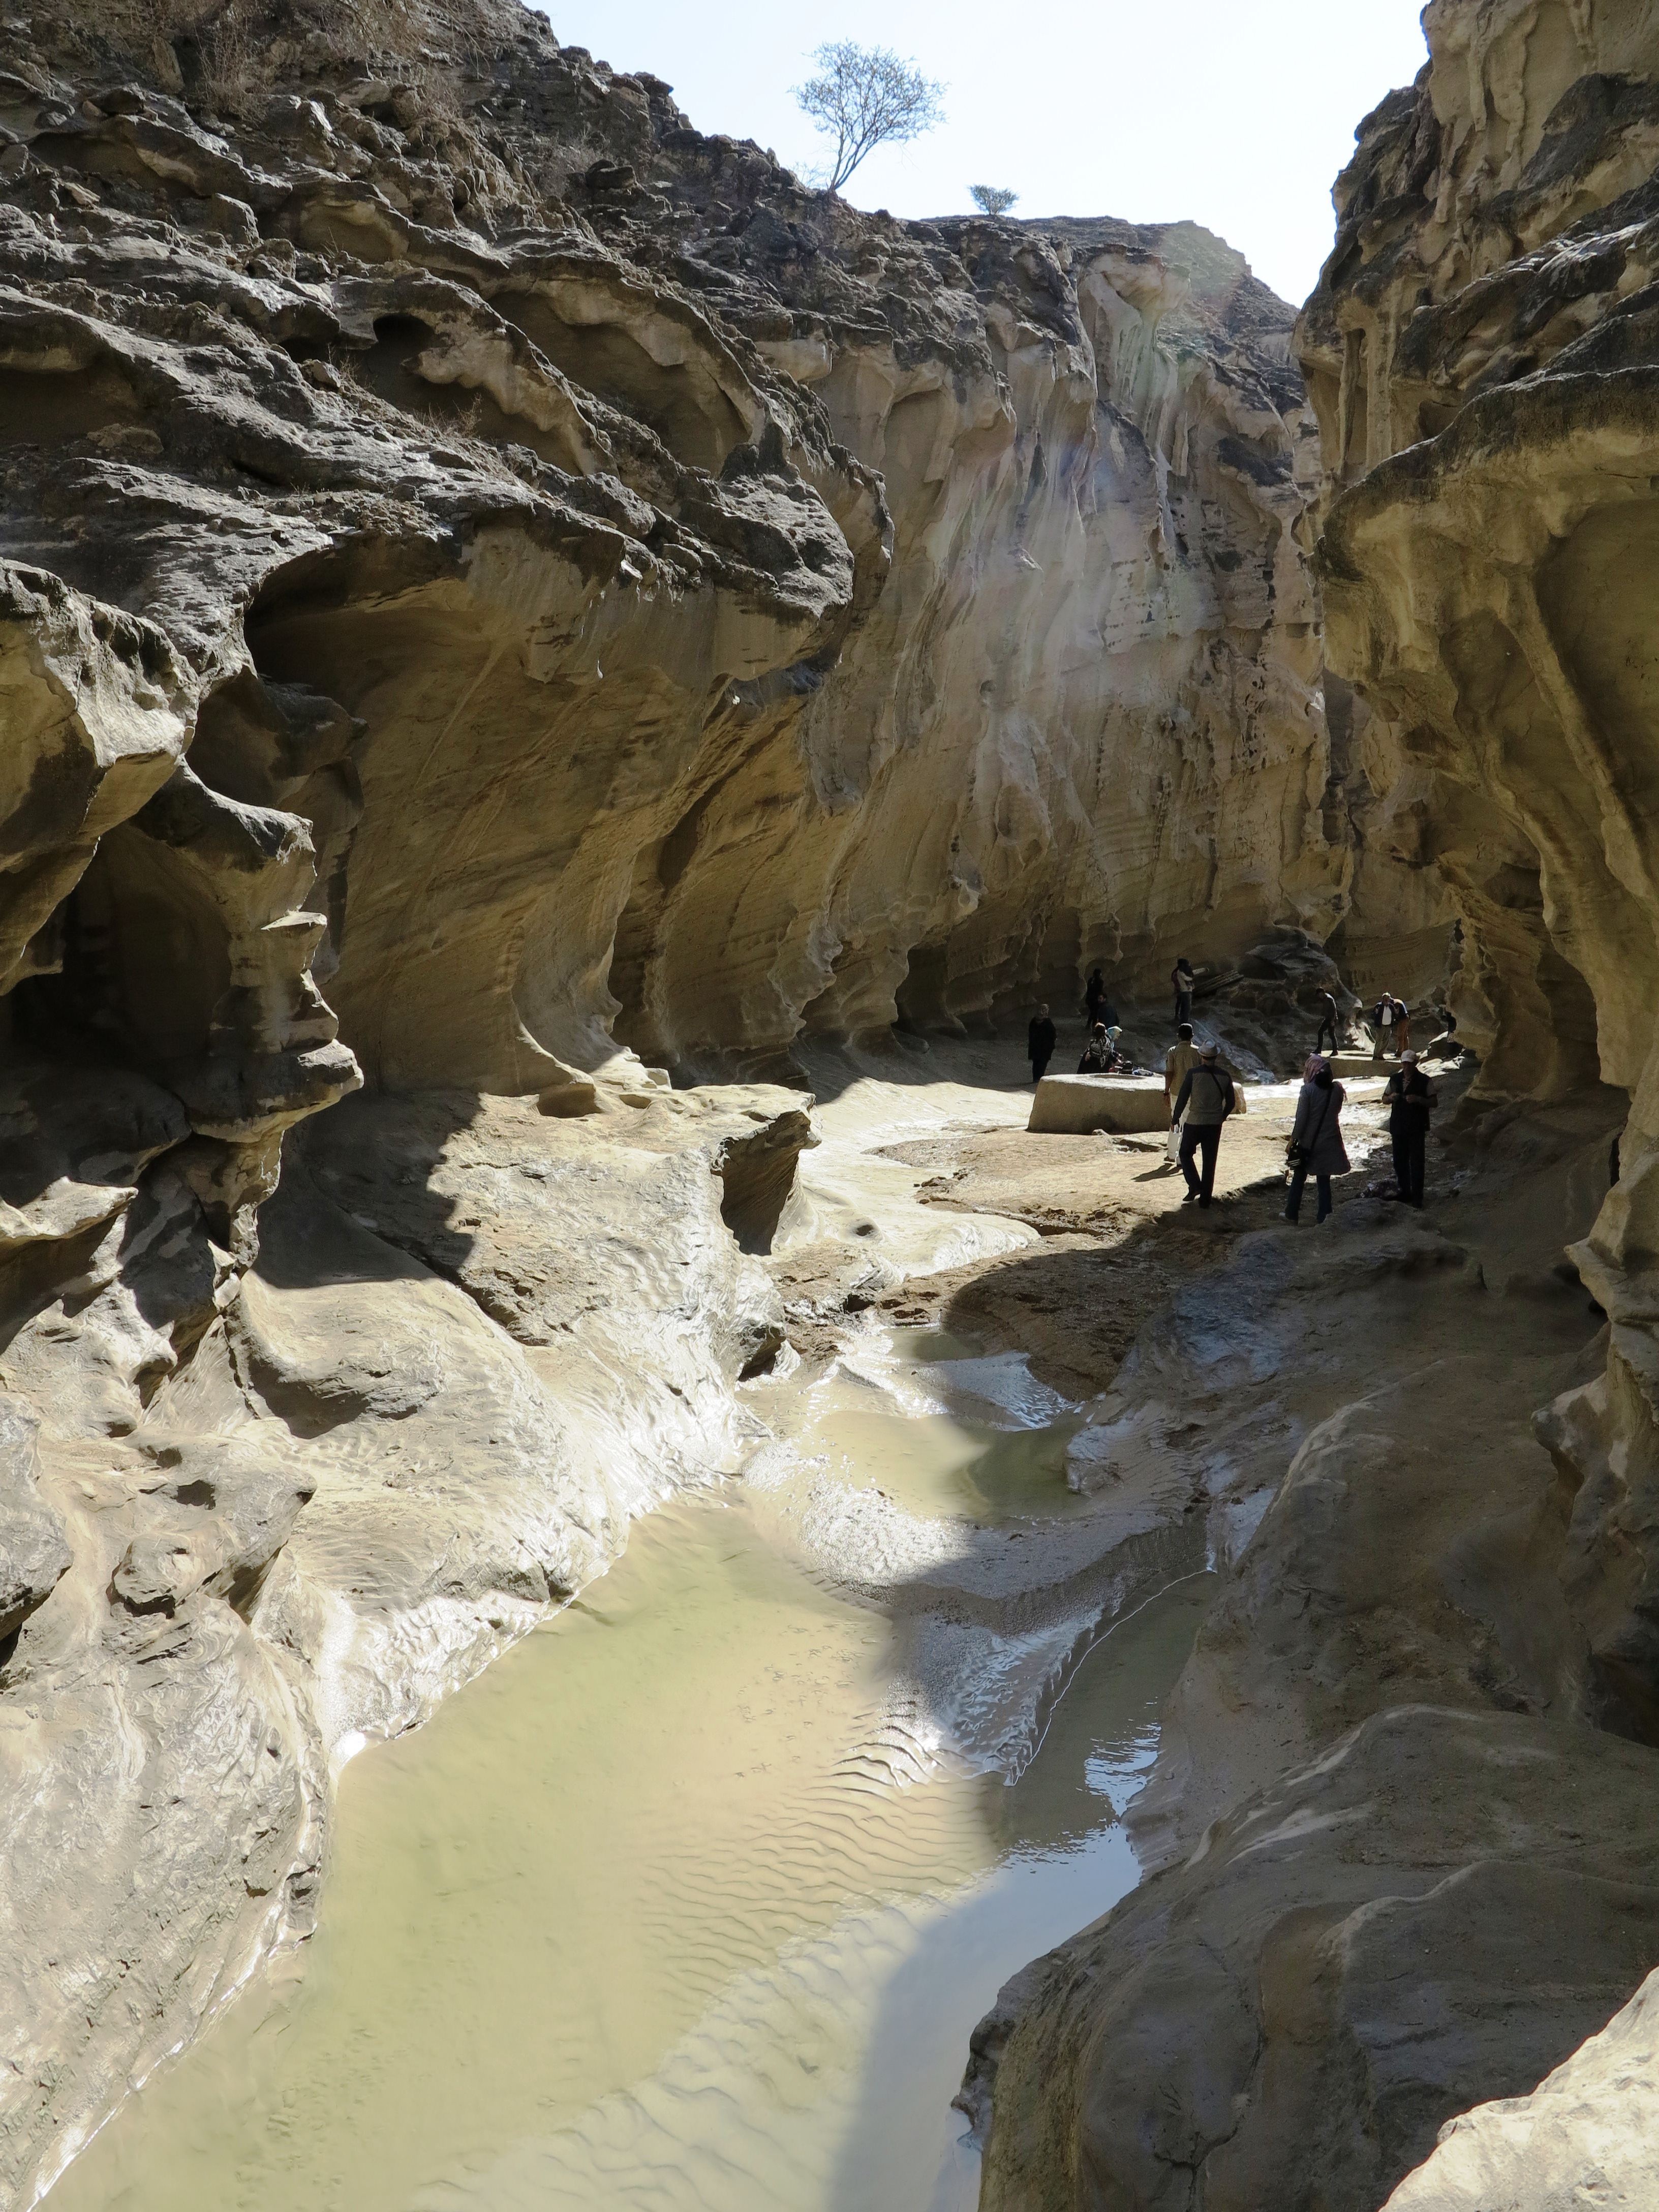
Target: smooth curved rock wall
(1437,1554)
(495,586)
(1486,583)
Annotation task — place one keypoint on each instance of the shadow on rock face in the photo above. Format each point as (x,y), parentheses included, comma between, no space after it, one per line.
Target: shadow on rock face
(379,1150)
(1436,1911)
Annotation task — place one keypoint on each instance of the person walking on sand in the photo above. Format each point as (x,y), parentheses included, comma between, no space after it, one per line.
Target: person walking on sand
(1098,1054)
(1180,980)
(1206,1097)
(1410,1098)
(1402,1026)
(1330,1017)
(1316,1148)
(1181,1059)
(1382,1025)
(1040,1042)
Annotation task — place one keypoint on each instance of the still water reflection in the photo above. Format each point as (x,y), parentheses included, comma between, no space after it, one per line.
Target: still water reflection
(674,1908)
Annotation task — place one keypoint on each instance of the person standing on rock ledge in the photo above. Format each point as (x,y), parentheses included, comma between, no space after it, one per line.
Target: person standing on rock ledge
(1182,980)
(1330,1017)
(1316,1148)
(1206,1097)
(1040,1043)
(1410,1098)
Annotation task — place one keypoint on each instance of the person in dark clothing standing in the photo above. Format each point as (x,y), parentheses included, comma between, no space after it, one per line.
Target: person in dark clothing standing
(1330,1017)
(1181,981)
(1410,1098)
(1315,1147)
(1206,1097)
(1094,997)
(1040,1042)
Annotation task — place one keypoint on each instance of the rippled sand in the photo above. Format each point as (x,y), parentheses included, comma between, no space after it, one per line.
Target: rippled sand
(687,1902)
(672,1908)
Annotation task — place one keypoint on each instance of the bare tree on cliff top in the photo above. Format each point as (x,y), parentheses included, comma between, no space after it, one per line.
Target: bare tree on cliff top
(869,98)
(993,199)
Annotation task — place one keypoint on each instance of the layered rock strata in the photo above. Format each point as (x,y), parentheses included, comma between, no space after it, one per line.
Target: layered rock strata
(1269,2021)
(1486,584)
(497,588)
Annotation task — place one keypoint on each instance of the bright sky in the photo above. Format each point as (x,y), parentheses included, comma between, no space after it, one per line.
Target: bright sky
(1236,113)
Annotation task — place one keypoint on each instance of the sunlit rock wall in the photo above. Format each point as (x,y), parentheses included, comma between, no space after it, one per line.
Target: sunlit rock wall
(1480,316)
(1484,354)
(1082,722)
(496,587)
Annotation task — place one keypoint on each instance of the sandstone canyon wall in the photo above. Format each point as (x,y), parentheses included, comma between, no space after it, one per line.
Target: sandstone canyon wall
(499,589)
(1481,352)
(1367,1923)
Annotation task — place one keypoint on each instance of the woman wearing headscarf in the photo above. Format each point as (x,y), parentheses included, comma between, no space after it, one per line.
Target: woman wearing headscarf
(1316,1146)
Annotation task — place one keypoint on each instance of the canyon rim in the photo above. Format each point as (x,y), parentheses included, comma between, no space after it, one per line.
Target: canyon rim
(530,642)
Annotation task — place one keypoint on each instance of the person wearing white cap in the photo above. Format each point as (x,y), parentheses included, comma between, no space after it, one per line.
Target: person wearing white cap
(1410,1098)
(1206,1097)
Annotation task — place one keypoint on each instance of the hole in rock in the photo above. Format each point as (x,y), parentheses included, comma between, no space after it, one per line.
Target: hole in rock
(389,369)
(42,408)
(683,403)
(145,961)
(910,437)
(920,996)
(758,1178)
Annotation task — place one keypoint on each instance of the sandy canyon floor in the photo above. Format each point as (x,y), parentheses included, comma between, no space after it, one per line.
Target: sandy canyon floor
(694,1899)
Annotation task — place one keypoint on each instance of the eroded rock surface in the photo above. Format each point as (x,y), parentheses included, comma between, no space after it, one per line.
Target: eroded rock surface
(1459,1520)
(1284,2019)
(497,588)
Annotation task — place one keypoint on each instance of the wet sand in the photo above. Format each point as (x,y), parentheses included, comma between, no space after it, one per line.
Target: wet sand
(694,1897)
(675,1906)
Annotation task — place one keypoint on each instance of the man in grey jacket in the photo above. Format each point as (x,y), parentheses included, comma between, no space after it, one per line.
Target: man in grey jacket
(1206,1099)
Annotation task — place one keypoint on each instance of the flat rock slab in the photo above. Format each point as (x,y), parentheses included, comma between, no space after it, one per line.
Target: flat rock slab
(1361,1063)
(1075,1105)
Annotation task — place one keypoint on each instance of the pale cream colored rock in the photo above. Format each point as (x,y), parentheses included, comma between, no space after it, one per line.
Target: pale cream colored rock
(1441,1899)
(1349,1410)
(1483,359)
(97,715)
(1584,2137)
(1485,589)
(1079,1104)
(490,565)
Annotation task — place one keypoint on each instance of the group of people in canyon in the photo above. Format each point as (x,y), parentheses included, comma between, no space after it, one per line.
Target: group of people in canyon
(1200,1093)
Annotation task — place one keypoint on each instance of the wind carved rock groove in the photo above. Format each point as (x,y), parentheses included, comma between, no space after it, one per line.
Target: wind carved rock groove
(496,588)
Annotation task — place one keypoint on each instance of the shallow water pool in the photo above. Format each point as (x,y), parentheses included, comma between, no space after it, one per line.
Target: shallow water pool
(679,1906)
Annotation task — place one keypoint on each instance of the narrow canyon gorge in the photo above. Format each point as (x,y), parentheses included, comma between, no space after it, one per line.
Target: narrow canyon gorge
(604,1555)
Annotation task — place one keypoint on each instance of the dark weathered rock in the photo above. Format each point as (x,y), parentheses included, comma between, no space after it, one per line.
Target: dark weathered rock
(1440,1908)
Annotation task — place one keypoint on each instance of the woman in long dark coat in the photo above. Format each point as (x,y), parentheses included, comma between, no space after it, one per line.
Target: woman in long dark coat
(1316,1145)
